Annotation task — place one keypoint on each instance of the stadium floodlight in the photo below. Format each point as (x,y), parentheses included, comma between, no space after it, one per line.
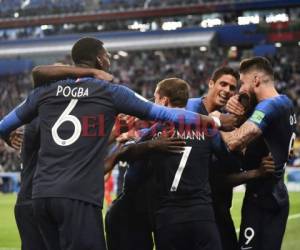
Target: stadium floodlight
(203,48)
(171,25)
(211,22)
(283,17)
(299,43)
(139,26)
(233,48)
(16,15)
(123,53)
(245,20)
(278,45)
(116,57)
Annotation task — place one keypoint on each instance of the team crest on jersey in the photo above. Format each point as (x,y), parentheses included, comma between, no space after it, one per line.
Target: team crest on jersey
(257,116)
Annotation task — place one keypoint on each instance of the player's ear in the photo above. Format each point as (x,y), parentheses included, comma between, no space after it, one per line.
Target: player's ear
(211,84)
(257,81)
(99,62)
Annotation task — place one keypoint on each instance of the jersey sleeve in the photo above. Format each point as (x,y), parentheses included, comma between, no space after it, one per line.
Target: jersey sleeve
(22,114)
(263,115)
(128,102)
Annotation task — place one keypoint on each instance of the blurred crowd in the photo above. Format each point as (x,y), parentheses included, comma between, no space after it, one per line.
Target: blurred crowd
(141,71)
(35,7)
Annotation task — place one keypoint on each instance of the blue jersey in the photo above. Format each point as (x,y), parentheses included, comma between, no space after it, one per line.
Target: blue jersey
(76,118)
(277,120)
(29,156)
(221,164)
(196,105)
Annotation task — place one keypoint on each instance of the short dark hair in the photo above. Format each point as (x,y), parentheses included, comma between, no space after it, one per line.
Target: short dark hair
(257,63)
(224,70)
(86,49)
(177,90)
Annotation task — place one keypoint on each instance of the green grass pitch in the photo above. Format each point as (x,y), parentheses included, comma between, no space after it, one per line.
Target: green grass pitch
(9,238)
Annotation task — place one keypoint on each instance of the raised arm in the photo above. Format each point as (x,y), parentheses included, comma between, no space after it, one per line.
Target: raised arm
(22,114)
(128,102)
(49,73)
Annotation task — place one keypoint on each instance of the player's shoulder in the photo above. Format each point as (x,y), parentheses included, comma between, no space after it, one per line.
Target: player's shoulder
(193,103)
(274,104)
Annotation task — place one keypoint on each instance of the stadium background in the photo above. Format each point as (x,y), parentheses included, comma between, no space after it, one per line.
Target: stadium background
(149,40)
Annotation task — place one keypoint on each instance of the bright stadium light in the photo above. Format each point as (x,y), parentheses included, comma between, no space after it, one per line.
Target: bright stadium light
(278,45)
(116,57)
(283,17)
(45,27)
(203,48)
(122,53)
(171,25)
(100,27)
(245,20)
(299,43)
(233,48)
(139,26)
(16,15)
(207,23)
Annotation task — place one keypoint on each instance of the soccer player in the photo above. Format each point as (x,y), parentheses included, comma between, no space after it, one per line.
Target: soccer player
(130,220)
(68,183)
(222,86)
(30,234)
(266,205)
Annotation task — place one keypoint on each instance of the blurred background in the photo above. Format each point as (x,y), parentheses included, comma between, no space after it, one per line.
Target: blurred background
(149,40)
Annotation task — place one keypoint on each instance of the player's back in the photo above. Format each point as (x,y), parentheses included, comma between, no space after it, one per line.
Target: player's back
(276,118)
(75,119)
(183,178)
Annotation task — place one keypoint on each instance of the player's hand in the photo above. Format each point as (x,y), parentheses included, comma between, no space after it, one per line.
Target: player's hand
(128,136)
(102,75)
(167,145)
(267,166)
(16,139)
(228,121)
(234,106)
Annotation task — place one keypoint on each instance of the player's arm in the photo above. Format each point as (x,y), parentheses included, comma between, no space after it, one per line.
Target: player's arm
(49,73)
(259,122)
(138,151)
(22,114)
(239,138)
(128,102)
(266,169)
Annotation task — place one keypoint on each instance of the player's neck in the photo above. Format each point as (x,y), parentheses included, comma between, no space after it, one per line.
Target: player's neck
(267,91)
(209,104)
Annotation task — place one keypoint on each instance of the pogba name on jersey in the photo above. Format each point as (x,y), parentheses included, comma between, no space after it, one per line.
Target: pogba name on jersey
(75,92)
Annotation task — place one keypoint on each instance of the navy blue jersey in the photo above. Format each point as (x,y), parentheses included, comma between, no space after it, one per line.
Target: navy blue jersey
(29,156)
(76,118)
(267,190)
(182,179)
(277,120)
(221,194)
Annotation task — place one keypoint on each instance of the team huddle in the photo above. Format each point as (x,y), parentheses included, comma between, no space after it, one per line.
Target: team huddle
(183,165)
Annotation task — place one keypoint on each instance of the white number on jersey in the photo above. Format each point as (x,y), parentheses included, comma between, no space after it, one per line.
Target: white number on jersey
(182,164)
(66,117)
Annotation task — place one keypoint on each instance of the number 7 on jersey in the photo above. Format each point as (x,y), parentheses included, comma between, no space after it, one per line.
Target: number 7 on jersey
(182,164)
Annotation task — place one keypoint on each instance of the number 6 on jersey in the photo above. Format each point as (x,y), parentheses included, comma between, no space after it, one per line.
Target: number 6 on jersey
(182,164)
(66,117)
